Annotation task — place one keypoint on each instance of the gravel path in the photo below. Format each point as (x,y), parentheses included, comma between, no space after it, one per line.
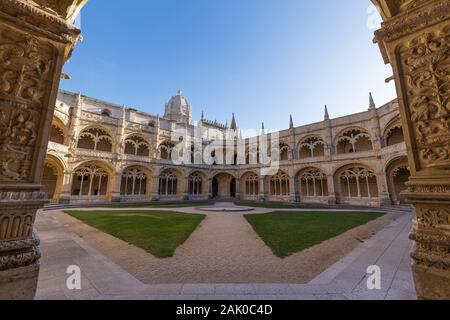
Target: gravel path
(224,249)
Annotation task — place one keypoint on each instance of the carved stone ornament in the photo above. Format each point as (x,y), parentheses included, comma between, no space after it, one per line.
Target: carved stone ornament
(426,63)
(25,66)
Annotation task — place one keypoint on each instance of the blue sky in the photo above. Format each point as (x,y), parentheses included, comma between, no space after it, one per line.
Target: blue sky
(262,59)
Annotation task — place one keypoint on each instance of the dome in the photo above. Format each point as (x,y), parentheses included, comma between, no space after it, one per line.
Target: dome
(179,109)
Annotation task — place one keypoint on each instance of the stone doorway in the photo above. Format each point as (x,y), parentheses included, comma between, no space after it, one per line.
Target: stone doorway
(224,186)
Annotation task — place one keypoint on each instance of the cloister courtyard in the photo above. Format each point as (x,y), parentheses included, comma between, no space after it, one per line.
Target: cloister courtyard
(180,251)
(348,198)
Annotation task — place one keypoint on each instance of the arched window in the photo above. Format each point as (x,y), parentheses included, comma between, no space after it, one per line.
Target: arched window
(195,184)
(358,182)
(284,151)
(90,181)
(168,183)
(352,141)
(251,184)
(165,150)
(57,134)
(313,183)
(95,139)
(311,148)
(279,184)
(134,182)
(106,113)
(400,177)
(252,156)
(137,146)
(395,136)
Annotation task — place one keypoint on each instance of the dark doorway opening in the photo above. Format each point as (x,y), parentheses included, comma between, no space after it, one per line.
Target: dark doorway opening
(215,188)
(233,188)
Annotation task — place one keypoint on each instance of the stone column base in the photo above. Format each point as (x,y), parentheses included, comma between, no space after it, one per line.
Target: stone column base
(19,283)
(431,284)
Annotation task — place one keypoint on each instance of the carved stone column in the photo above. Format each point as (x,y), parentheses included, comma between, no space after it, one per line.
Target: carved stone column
(415,40)
(36,38)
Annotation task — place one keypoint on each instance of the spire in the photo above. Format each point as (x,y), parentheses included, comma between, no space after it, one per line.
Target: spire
(327,115)
(203,116)
(263,129)
(371,102)
(233,123)
(291,122)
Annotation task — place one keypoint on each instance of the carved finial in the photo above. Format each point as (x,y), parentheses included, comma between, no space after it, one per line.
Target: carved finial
(233,123)
(291,122)
(263,129)
(371,102)
(327,115)
(203,116)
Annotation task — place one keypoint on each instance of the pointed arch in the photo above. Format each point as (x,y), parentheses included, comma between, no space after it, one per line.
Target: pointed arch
(96,138)
(353,140)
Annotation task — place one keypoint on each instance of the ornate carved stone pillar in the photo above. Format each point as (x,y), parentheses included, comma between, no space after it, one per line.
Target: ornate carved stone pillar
(36,38)
(415,40)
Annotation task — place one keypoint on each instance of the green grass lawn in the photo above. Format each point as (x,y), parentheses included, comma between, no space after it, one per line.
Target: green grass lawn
(162,205)
(157,232)
(276,205)
(287,233)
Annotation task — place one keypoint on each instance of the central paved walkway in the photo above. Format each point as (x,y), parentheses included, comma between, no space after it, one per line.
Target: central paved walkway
(226,245)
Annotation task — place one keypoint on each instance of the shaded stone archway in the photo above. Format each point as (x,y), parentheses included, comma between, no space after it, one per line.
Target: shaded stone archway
(224,186)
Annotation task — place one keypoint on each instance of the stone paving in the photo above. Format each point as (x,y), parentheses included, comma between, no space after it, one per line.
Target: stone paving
(103,279)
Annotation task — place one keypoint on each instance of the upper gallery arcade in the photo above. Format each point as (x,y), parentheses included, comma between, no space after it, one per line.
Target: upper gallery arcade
(102,152)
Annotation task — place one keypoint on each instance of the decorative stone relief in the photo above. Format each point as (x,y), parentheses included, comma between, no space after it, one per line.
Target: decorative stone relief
(25,68)
(426,60)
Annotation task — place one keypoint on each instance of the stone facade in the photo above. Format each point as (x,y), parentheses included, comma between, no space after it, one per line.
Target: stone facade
(101,152)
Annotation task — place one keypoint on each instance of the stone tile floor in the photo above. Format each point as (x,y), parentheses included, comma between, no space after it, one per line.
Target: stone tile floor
(103,279)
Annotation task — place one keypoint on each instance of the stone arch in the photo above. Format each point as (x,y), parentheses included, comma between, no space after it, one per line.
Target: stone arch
(171,185)
(285,150)
(393,132)
(197,184)
(250,185)
(356,184)
(96,138)
(397,174)
(311,147)
(224,185)
(165,150)
(136,145)
(136,183)
(311,185)
(279,186)
(52,177)
(106,113)
(252,155)
(353,140)
(58,131)
(92,181)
